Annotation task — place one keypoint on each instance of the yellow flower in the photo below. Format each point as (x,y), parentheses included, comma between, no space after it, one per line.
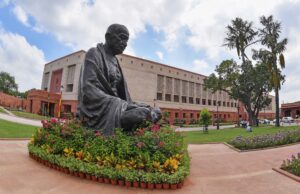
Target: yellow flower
(79,155)
(68,152)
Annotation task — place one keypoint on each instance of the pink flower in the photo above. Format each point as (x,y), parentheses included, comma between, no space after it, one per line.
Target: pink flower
(63,131)
(140,144)
(155,128)
(54,120)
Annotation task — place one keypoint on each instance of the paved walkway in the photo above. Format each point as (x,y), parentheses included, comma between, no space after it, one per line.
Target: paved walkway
(215,169)
(20,120)
(211,127)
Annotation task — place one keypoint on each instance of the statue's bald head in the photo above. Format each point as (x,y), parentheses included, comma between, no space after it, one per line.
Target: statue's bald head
(116,38)
(117,28)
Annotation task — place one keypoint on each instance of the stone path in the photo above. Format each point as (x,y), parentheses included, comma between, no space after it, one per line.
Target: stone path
(20,120)
(215,169)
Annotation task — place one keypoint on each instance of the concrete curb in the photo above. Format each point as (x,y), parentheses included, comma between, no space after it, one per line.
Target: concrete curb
(287,174)
(14,139)
(259,149)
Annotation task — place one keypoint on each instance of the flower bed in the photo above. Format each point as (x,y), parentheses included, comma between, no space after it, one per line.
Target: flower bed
(269,140)
(292,165)
(150,157)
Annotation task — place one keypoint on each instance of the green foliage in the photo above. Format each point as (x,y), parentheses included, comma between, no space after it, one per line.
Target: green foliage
(142,155)
(8,84)
(268,140)
(292,164)
(205,117)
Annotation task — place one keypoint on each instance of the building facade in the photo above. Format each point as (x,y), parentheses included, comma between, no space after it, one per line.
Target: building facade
(291,109)
(179,92)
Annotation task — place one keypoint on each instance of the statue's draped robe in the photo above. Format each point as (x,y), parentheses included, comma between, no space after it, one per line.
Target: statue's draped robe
(99,106)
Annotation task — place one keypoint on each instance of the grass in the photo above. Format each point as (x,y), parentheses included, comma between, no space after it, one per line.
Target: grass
(15,130)
(2,111)
(28,115)
(225,135)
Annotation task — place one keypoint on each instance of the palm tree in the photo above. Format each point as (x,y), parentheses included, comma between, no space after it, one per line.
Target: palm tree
(240,35)
(269,35)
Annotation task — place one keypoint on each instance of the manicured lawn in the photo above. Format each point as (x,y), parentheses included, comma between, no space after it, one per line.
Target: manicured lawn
(29,115)
(2,111)
(15,130)
(225,135)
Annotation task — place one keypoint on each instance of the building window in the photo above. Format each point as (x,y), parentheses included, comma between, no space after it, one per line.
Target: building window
(197,100)
(176,114)
(224,103)
(168,97)
(46,81)
(191,100)
(228,115)
(176,98)
(203,101)
(183,99)
(142,64)
(228,104)
(198,115)
(159,96)
(131,62)
(219,103)
(209,102)
(215,103)
(192,115)
(183,115)
(70,78)
(232,104)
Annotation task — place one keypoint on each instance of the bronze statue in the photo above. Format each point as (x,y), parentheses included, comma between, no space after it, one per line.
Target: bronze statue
(104,100)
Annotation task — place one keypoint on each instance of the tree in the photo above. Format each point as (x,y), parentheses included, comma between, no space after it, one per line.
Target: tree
(246,83)
(270,38)
(205,119)
(8,84)
(240,35)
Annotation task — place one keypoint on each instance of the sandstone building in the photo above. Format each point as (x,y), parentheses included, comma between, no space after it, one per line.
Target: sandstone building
(176,91)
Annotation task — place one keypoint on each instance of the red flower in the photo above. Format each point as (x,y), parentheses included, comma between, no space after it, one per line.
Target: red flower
(161,144)
(98,134)
(140,132)
(155,128)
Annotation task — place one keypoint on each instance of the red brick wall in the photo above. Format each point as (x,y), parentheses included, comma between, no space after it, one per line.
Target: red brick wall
(12,101)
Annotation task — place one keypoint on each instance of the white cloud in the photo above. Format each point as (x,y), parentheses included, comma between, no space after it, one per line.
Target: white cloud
(23,61)
(21,15)
(160,55)
(202,67)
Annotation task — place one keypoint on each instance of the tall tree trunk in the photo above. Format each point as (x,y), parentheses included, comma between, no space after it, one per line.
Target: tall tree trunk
(277,106)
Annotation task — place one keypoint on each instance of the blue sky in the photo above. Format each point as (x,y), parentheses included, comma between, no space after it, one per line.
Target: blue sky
(187,34)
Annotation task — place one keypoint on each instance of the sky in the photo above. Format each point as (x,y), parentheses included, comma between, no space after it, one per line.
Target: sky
(187,34)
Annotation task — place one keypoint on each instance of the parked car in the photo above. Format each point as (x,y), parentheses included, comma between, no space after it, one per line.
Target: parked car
(287,119)
(264,121)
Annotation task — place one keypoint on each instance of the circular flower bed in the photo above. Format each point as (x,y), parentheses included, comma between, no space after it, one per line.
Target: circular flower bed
(150,157)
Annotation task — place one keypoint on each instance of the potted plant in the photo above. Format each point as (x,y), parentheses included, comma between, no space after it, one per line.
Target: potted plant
(143,180)
(173,180)
(165,180)
(150,180)
(99,175)
(113,176)
(157,180)
(121,177)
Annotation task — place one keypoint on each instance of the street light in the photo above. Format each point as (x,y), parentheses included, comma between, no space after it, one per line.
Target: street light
(238,114)
(218,125)
(59,104)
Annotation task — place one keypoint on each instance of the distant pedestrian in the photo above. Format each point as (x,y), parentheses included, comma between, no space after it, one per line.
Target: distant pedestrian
(249,129)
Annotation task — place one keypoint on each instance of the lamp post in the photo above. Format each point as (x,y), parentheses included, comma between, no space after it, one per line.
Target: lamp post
(238,114)
(59,104)
(48,105)
(218,125)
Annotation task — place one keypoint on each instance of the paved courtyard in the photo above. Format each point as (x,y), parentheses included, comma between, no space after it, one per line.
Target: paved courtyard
(215,169)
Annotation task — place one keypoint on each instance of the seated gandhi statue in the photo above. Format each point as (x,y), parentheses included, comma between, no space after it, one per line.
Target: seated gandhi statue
(104,100)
